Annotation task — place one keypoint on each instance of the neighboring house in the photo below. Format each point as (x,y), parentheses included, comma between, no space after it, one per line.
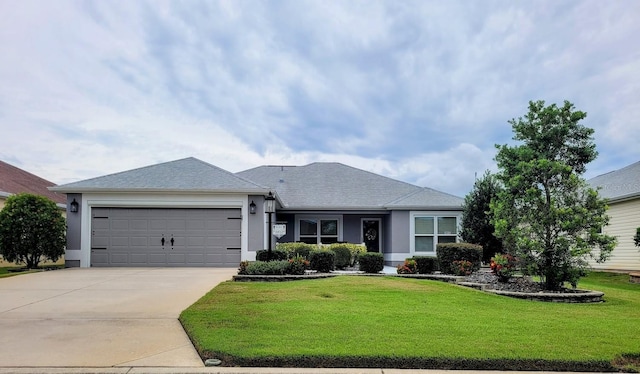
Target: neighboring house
(14,180)
(191,213)
(622,189)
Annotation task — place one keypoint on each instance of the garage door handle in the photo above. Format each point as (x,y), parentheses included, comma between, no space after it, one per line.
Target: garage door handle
(162,241)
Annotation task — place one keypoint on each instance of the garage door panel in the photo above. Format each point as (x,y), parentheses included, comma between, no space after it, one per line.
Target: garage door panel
(157,224)
(119,259)
(139,224)
(138,259)
(133,237)
(157,259)
(176,224)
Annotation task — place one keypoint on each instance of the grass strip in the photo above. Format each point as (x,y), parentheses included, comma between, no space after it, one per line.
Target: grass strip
(407,323)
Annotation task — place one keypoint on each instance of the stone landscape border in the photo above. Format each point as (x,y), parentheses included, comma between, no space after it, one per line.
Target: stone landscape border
(572,296)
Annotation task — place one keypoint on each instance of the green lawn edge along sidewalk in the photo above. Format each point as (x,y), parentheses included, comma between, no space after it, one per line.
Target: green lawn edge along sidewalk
(408,323)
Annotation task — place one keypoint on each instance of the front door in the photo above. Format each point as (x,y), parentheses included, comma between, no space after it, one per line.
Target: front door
(371,234)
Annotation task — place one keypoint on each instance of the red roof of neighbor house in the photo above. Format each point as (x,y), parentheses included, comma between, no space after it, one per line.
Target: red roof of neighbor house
(14,180)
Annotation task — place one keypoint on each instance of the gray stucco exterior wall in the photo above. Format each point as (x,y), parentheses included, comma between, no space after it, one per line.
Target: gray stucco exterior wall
(256,224)
(400,231)
(74,225)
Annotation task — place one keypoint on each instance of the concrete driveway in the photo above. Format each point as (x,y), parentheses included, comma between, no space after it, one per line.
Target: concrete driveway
(101,317)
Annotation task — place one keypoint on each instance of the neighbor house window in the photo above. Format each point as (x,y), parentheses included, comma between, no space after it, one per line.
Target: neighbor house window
(319,230)
(427,230)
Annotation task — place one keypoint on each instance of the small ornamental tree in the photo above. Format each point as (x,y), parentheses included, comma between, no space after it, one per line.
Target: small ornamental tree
(477,227)
(32,229)
(546,208)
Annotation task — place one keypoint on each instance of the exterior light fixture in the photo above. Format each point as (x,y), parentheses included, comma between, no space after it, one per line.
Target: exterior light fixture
(73,208)
(252,208)
(270,203)
(270,207)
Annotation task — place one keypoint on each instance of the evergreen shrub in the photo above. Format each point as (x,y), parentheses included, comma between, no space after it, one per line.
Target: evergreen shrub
(426,265)
(371,262)
(447,253)
(276,255)
(322,261)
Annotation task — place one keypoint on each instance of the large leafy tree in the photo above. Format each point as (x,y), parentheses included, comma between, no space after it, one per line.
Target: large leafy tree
(547,210)
(477,227)
(31,229)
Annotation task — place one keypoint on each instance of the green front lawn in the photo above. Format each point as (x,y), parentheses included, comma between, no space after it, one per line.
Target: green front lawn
(350,317)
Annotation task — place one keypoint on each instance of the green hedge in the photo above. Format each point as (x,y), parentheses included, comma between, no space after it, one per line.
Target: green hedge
(354,249)
(447,253)
(264,268)
(426,265)
(276,255)
(371,262)
(343,255)
(294,249)
(322,261)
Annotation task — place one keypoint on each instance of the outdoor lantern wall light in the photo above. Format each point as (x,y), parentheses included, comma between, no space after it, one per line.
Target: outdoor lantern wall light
(252,208)
(73,208)
(270,203)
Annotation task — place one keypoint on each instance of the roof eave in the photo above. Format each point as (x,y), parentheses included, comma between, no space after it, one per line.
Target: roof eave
(158,190)
(619,199)
(423,207)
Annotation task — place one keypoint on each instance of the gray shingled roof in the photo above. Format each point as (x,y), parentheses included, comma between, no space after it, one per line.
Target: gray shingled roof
(334,186)
(619,184)
(189,174)
(427,197)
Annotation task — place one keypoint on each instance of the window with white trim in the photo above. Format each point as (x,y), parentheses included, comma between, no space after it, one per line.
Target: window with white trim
(427,230)
(319,230)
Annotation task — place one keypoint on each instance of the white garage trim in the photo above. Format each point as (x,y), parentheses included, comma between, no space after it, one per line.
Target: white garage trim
(160,200)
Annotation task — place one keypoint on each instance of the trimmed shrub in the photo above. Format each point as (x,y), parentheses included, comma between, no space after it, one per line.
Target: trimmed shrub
(343,255)
(426,265)
(447,253)
(276,255)
(297,265)
(322,261)
(294,249)
(409,267)
(371,262)
(356,250)
(267,268)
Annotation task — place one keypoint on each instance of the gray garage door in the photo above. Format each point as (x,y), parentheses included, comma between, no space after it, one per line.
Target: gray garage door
(165,237)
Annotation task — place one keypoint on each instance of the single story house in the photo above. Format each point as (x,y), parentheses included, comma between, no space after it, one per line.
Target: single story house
(622,189)
(14,180)
(191,213)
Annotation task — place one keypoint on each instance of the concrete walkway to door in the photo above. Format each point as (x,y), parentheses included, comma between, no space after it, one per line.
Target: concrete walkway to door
(101,317)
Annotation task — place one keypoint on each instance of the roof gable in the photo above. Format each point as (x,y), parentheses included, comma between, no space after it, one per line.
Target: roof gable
(14,180)
(333,186)
(188,174)
(619,184)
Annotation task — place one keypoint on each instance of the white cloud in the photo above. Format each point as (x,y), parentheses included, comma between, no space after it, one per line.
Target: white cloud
(418,91)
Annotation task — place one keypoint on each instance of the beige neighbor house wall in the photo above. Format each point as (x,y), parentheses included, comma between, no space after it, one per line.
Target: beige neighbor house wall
(624,218)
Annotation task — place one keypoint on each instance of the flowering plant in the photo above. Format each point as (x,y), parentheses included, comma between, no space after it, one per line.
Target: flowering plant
(503,266)
(409,267)
(462,267)
(298,265)
(243,267)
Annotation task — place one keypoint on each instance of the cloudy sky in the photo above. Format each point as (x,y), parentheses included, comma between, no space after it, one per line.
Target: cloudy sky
(419,91)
